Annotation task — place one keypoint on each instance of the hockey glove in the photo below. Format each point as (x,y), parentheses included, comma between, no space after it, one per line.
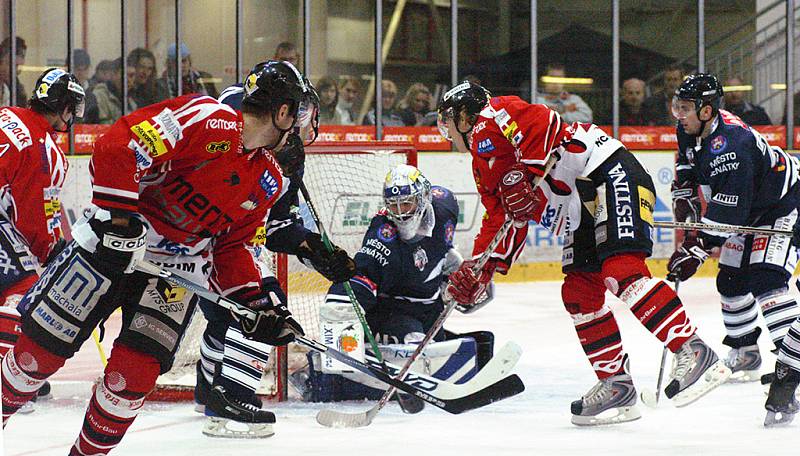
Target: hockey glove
(336,266)
(466,287)
(274,325)
(292,155)
(114,247)
(687,259)
(685,201)
(520,201)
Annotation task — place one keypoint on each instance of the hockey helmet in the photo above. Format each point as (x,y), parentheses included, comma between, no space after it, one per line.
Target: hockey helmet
(407,199)
(702,89)
(57,90)
(466,97)
(273,83)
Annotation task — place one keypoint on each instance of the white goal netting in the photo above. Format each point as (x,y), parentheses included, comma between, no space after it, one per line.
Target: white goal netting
(345,181)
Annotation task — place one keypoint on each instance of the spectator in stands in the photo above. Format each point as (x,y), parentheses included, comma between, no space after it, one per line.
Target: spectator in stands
(630,110)
(288,52)
(194,81)
(571,107)
(102,73)
(735,103)
(145,91)
(5,76)
(349,90)
(108,96)
(390,117)
(658,108)
(81,65)
(415,109)
(328,99)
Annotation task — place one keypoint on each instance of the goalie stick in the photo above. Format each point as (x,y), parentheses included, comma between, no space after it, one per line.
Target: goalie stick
(483,389)
(408,404)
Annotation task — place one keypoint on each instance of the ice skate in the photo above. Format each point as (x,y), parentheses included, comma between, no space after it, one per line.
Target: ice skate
(744,363)
(231,417)
(781,403)
(696,370)
(611,400)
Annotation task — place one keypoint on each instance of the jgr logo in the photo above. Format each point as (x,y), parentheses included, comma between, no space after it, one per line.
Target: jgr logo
(218,146)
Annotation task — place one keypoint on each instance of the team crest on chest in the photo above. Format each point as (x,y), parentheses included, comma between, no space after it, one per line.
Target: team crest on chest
(420,258)
(387,232)
(718,144)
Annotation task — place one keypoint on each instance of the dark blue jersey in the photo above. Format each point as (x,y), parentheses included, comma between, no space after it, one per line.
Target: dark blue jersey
(285,230)
(744,179)
(399,276)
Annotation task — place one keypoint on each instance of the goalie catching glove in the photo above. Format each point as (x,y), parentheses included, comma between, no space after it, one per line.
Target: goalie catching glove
(274,324)
(336,266)
(465,287)
(520,200)
(685,262)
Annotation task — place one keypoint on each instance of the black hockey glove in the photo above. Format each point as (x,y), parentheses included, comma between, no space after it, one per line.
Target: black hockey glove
(336,266)
(292,155)
(685,262)
(114,248)
(685,201)
(275,325)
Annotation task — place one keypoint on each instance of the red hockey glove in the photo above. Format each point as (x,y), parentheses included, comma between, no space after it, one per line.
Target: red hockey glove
(520,201)
(465,287)
(685,201)
(687,259)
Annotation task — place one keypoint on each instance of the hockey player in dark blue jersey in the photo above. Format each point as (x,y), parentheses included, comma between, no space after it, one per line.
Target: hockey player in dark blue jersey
(401,270)
(231,366)
(744,181)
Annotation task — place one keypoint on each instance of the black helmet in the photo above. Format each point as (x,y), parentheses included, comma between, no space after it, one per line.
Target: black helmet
(703,89)
(465,97)
(273,83)
(56,90)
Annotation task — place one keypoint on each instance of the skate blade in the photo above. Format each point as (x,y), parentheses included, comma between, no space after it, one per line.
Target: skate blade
(26,409)
(745,376)
(610,416)
(225,428)
(776,419)
(716,375)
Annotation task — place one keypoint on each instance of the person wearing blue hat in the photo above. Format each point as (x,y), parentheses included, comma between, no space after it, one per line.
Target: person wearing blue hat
(193,81)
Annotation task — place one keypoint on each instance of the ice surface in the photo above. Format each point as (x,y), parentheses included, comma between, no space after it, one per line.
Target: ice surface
(553,367)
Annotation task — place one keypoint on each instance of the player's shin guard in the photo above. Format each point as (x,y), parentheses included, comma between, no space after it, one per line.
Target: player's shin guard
(780,310)
(789,353)
(243,364)
(211,353)
(25,369)
(583,295)
(651,300)
(116,401)
(740,315)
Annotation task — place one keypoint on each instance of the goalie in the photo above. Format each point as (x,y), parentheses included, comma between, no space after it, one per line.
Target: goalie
(401,271)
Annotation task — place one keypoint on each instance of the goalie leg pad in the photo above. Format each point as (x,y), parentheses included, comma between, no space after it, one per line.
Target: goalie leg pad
(24,370)
(584,298)
(117,399)
(651,300)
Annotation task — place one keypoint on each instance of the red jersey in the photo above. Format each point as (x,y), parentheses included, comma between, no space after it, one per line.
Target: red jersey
(32,172)
(508,130)
(181,165)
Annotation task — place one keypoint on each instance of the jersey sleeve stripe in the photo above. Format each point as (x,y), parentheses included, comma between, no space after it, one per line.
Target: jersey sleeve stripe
(115,202)
(116,192)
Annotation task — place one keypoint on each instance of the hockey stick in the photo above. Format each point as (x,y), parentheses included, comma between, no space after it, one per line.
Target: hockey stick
(408,405)
(720,228)
(483,389)
(649,398)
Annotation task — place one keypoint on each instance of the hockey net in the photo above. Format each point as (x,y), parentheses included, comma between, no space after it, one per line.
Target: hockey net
(345,181)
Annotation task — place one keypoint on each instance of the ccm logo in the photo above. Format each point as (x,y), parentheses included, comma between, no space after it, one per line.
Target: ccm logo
(512,177)
(123,244)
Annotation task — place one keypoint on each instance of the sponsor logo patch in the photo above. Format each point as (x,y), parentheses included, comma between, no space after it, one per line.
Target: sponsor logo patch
(260,238)
(485,146)
(269,184)
(218,146)
(387,232)
(726,200)
(150,138)
(718,144)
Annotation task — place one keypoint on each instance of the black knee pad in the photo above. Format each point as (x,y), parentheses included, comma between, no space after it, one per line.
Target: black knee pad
(484,340)
(732,282)
(764,279)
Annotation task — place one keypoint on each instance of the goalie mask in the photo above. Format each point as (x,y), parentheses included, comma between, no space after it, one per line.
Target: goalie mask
(407,199)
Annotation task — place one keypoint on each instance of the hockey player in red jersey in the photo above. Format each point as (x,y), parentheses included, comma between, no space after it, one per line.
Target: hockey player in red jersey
(32,172)
(600,198)
(186,184)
